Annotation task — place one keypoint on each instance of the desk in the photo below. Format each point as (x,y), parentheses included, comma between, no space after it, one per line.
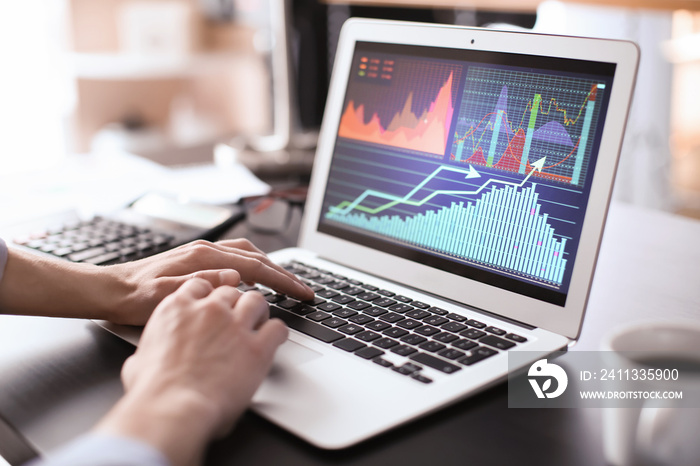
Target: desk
(59,376)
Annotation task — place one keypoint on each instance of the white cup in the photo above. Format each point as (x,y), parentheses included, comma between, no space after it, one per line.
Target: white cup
(658,432)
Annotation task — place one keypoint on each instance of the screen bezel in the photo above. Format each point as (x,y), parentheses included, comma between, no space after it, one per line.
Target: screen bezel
(564,320)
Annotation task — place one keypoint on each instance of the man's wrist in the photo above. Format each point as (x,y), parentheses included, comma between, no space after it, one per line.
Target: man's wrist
(177,422)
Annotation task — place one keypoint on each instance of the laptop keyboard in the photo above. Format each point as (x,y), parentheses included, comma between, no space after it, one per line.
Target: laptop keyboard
(98,241)
(371,322)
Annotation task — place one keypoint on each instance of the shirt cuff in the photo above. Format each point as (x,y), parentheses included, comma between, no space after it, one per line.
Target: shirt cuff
(3,257)
(97,449)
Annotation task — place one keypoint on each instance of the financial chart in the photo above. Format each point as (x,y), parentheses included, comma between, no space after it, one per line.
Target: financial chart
(478,165)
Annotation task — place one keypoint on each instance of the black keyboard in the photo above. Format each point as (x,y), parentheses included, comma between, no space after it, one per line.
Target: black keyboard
(98,241)
(369,322)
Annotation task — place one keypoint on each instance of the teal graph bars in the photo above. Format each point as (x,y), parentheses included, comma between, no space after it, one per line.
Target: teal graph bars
(502,229)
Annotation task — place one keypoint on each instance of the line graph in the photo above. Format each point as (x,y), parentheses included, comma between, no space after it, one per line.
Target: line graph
(347,206)
(502,229)
(508,118)
(410,108)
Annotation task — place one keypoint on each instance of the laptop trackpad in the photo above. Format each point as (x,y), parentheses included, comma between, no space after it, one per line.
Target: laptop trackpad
(292,353)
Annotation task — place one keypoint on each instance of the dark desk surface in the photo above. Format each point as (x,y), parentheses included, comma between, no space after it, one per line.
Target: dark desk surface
(59,376)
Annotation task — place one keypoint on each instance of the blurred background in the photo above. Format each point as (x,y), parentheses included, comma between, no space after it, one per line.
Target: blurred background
(169,79)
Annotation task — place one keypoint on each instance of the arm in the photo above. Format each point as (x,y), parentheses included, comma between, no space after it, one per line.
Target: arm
(128,293)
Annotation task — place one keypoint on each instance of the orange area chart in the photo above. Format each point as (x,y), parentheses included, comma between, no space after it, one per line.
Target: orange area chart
(427,132)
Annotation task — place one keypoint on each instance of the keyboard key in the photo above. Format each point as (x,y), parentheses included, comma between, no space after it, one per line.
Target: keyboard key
(318,316)
(402,299)
(334,322)
(275,298)
(343,299)
(421,378)
(303,310)
(85,254)
(288,303)
(395,332)
(456,317)
(386,293)
(385,343)
(369,352)
(361,319)
(102,259)
(349,345)
(359,305)
(495,331)
(391,317)
(382,362)
(450,353)
(403,350)
(516,338)
(377,325)
(445,337)
(435,320)
(327,293)
(427,330)
(384,302)
(496,342)
(401,308)
(353,291)
(367,296)
(413,339)
(305,326)
(409,323)
(375,311)
(315,302)
(475,323)
(367,336)
(337,285)
(351,329)
(476,355)
(453,327)
(432,346)
(420,305)
(329,307)
(435,363)
(344,313)
(406,369)
(418,314)
(464,344)
(438,310)
(473,334)
(370,287)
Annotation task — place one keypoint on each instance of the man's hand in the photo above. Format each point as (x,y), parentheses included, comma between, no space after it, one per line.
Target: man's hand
(128,293)
(226,262)
(202,355)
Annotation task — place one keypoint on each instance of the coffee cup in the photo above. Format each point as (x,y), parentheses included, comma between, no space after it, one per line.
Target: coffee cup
(662,361)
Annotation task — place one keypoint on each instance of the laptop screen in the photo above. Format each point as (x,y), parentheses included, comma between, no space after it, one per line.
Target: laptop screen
(476,163)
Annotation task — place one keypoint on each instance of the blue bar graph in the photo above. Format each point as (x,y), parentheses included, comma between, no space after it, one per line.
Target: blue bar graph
(502,229)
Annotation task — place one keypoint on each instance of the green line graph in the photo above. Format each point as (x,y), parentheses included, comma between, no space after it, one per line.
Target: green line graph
(346,207)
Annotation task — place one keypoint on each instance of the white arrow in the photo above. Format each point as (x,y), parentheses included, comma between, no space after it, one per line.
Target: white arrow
(473,173)
(539,165)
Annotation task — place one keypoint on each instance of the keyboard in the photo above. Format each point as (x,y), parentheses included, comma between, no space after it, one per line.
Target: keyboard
(370,322)
(98,241)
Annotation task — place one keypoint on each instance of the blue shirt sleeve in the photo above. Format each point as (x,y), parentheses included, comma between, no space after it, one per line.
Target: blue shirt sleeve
(3,257)
(103,450)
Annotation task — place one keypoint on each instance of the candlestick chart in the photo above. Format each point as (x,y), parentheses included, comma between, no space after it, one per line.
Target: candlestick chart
(507,119)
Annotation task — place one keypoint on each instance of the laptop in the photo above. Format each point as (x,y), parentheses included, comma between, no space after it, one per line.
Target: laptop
(455,212)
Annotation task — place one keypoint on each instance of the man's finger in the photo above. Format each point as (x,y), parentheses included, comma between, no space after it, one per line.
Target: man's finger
(226,295)
(196,288)
(251,310)
(218,277)
(272,334)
